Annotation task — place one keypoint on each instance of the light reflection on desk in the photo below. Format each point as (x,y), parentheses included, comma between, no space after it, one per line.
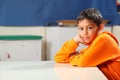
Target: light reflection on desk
(69,72)
(47,70)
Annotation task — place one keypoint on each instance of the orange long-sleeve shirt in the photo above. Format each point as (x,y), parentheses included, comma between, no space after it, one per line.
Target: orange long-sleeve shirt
(103,52)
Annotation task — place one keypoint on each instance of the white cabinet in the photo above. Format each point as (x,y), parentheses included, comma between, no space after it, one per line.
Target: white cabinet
(52,41)
(20,50)
(56,36)
(116,32)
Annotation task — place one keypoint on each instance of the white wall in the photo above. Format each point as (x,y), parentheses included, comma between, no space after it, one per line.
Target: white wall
(22,30)
(53,37)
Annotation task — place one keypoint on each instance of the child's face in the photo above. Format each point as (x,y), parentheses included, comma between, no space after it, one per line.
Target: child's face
(87,30)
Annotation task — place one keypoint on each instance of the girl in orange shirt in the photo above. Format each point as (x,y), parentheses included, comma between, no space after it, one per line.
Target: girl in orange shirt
(103,50)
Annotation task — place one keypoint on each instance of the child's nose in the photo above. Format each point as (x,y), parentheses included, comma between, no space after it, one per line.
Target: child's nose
(85,31)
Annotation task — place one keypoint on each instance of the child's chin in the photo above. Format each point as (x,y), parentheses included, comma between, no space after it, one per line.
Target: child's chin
(87,43)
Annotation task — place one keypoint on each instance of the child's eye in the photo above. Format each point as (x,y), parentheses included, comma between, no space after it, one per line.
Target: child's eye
(81,28)
(90,28)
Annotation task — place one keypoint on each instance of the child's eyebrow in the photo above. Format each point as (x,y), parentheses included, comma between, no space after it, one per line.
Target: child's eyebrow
(87,25)
(91,24)
(80,26)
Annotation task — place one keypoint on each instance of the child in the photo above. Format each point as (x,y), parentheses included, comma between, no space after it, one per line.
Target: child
(102,51)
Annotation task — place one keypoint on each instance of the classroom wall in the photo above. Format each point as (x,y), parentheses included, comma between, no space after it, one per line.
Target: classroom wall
(53,37)
(43,12)
(30,17)
(15,30)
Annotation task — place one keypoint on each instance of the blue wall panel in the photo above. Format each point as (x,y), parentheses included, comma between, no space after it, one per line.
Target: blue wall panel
(43,12)
(21,12)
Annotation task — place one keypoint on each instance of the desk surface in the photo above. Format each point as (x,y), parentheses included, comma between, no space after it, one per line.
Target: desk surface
(47,70)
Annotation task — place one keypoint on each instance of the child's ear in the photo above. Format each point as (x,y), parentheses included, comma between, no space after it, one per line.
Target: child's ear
(101,26)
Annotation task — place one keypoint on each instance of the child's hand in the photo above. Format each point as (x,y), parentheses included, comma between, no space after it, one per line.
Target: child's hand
(78,39)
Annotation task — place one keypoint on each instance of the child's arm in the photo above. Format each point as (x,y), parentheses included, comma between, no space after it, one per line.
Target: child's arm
(68,48)
(103,48)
